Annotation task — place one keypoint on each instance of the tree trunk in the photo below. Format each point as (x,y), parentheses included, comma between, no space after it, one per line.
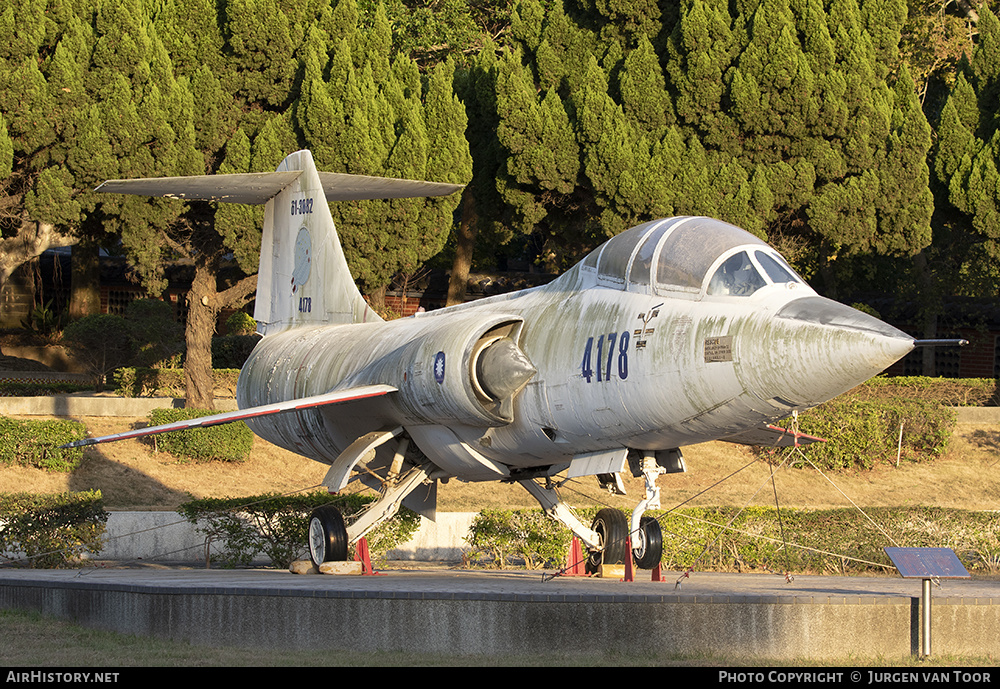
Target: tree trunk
(930,307)
(459,280)
(202,313)
(85,285)
(31,240)
(204,304)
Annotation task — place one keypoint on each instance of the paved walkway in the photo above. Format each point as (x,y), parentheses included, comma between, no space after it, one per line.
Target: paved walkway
(440,610)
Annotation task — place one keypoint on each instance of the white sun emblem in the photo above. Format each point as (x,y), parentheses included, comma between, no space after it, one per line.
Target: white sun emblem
(439,367)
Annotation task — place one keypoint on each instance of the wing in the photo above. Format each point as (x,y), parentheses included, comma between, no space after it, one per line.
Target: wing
(773,436)
(337,397)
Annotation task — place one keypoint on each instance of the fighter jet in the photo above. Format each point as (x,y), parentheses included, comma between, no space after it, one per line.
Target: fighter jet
(675,332)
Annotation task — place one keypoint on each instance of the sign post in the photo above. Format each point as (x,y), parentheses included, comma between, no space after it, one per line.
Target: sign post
(927,564)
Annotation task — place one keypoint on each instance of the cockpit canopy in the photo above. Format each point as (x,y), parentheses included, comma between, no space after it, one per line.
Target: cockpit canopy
(697,256)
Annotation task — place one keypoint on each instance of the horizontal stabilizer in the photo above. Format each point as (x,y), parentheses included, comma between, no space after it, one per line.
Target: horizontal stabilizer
(258,187)
(773,436)
(338,397)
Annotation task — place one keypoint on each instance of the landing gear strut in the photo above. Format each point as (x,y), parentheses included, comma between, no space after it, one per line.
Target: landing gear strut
(395,479)
(609,539)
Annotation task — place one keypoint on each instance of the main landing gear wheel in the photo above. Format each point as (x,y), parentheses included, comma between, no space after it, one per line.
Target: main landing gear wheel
(327,535)
(650,549)
(612,526)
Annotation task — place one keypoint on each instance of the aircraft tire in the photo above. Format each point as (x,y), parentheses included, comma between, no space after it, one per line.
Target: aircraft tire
(612,525)
(327,535)
(648,555)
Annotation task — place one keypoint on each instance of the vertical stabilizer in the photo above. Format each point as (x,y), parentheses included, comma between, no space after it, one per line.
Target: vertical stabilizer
(304,279)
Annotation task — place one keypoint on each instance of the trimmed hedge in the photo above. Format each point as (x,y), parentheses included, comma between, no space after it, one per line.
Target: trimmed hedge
(168,382)
(754,540)
(40,388)
(36,443)
(702,538)
(229,442)
(277,526)
(951,392)
(51,530)
(863,433)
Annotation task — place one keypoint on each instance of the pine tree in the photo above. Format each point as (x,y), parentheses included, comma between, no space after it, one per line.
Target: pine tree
(476,88)
(364,110)
(967,162)
(40,120)
(812,129)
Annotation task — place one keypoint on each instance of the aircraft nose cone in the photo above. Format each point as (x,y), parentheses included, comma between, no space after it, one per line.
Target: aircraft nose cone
(826,312)
(820,348)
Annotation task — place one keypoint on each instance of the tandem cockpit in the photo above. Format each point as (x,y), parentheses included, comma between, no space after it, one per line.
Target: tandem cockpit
(691,257)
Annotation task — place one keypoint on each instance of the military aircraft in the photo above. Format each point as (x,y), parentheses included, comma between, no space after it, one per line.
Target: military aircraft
(675,332)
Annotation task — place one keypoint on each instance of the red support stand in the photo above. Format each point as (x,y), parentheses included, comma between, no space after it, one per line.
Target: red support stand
(362,554)
(575,562)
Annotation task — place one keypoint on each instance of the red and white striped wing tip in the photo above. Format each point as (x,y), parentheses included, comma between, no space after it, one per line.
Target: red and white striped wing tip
(337,397)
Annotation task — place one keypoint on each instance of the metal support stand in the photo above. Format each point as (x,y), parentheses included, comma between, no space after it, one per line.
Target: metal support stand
(925,618)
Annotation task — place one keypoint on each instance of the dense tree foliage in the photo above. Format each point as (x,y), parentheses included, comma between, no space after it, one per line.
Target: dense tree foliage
(967,161)
(797,120)
(162,87)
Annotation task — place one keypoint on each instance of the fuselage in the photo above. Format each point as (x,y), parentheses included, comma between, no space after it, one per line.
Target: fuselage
(625,355)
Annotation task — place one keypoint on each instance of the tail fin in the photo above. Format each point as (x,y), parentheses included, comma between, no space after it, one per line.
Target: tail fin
(303,278)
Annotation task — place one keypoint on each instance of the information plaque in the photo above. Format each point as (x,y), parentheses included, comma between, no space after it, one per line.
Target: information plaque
(927,563)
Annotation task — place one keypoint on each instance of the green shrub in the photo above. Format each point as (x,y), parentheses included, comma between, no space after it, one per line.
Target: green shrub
(507,537)
(863,433)
(156,335)
(51,530)
(952,392)
(231,351)
(40,388)
(168,382)
(230,442)
(822,541)
(137,382)
(241,323)
(36,443)
(44,321)
(277,526)
(728,539)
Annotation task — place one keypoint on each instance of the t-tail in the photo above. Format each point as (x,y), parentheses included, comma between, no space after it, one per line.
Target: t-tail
(303,278)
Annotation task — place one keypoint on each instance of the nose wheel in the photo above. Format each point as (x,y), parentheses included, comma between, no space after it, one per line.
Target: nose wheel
(327,535)
(608,539)
(650,549)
